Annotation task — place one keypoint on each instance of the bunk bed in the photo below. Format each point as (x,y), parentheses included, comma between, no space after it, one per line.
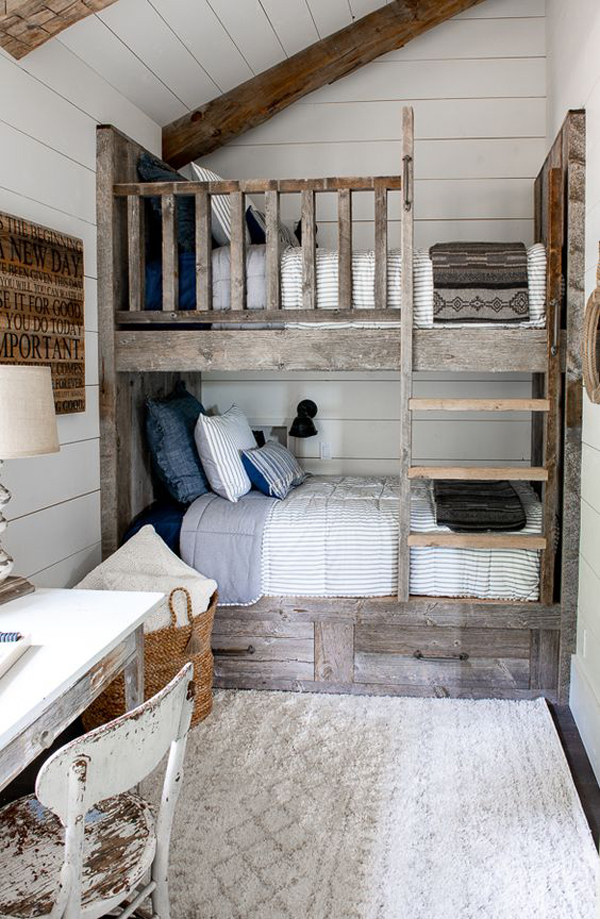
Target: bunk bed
(401,644)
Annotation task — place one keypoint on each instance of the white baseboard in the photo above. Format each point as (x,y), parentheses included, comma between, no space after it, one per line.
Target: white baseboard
(586,712)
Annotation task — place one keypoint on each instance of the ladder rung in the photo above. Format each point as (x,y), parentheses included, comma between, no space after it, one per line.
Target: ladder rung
(479,405)
(479,473)
(478,540)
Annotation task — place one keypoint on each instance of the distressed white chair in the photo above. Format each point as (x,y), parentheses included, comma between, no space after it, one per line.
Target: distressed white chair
(86,844)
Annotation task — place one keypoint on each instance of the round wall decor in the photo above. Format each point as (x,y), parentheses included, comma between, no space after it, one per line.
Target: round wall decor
(591,355)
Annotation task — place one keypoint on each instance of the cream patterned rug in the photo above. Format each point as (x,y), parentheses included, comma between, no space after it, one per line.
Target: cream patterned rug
(340,807)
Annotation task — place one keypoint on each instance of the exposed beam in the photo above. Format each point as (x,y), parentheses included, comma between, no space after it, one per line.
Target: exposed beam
(258,99)
(27,24)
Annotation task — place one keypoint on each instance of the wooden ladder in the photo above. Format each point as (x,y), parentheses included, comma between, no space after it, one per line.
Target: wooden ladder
(544,406)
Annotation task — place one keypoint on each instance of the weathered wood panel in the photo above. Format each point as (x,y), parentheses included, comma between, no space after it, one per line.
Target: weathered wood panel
(480,673)
(334,652)
(265,628)
(42,306)
(387,610)
(465,350)
(478,642)
(545,645)
(27,24)
(263,648)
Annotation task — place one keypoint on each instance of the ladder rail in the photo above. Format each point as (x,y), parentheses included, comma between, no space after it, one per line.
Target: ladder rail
(406,352)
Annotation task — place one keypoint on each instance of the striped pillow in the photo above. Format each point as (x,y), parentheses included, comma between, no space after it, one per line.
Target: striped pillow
(220,208)
(220,440)
(273,469)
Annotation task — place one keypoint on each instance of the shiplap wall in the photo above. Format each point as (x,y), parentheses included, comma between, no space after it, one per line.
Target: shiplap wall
(574,82)
(51,103)
(478,85)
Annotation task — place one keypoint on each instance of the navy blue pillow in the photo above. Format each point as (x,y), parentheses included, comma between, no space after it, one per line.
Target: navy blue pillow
(165,517)
(170,427)
(258,237)
(151,169)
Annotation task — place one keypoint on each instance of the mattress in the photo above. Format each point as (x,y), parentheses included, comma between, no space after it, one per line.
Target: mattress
(363,285)
(338,536)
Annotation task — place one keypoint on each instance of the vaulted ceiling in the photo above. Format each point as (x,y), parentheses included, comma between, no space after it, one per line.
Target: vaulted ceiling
(170,56)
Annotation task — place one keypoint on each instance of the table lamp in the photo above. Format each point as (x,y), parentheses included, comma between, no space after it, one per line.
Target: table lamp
(27,428)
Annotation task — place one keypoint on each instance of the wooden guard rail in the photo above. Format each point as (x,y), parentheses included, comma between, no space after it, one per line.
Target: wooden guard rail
(202,192)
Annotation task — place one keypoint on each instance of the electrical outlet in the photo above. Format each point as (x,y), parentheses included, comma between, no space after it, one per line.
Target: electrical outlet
(324,450)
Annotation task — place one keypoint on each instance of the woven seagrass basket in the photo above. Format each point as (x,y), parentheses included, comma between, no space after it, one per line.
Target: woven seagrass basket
(165,653)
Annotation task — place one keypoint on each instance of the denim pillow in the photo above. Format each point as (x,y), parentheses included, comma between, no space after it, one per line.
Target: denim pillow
(170,427)
(150,169)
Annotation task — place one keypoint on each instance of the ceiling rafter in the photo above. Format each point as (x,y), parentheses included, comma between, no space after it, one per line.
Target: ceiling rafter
(255,101)
(27,24)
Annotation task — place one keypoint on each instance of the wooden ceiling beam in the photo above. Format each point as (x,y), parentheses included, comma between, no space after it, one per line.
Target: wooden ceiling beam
(251,103)
(27,24)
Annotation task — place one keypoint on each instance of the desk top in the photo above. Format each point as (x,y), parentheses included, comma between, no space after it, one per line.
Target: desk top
(71,631)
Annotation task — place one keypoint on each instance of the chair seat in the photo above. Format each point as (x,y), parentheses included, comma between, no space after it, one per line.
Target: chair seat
(119,848)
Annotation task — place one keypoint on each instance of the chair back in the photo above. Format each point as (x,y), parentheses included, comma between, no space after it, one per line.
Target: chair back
(117,756)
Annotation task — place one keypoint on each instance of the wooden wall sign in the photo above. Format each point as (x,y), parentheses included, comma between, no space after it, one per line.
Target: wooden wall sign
(41,306)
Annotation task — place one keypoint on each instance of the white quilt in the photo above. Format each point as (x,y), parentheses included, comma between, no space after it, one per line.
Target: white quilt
(338,536)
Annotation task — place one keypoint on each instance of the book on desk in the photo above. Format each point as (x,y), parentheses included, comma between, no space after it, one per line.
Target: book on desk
(12,646)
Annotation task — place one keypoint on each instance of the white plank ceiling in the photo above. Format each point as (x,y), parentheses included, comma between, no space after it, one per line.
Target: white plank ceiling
(169,56)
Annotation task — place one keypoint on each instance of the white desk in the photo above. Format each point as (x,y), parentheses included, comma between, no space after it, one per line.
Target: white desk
(81,639)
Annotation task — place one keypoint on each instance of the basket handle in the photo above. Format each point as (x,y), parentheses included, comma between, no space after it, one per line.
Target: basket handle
(188,597)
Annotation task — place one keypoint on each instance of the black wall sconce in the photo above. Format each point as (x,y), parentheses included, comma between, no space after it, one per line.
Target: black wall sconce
(303,424)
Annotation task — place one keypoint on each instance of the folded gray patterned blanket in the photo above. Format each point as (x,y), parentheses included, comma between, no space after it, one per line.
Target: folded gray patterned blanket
(480,282)
(223,540)
(472,507)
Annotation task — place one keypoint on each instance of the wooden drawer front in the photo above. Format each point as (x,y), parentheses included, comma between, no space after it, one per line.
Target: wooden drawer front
(465,658)
(264,649)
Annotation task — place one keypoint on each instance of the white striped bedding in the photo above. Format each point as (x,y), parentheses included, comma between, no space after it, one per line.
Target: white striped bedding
(337,536)
(363,283)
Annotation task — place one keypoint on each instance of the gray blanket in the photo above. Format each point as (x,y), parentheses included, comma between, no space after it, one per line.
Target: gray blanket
(223,540)
(480,282)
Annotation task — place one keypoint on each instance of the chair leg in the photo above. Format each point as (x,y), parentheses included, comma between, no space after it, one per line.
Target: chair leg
(160,899)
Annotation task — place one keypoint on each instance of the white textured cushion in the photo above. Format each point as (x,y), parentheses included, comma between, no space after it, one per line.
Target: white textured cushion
(145,562)
(220,208)
(220,440)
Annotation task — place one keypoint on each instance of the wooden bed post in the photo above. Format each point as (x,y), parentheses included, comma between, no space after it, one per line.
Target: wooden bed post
(406,351)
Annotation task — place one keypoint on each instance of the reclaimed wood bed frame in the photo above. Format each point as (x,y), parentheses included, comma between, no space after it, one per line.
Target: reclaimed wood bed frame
(399,645)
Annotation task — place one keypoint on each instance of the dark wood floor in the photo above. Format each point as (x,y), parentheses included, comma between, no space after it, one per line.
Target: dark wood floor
(579,764)
(581,770)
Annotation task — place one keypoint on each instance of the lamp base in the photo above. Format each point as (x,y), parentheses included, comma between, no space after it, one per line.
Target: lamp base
(13,587)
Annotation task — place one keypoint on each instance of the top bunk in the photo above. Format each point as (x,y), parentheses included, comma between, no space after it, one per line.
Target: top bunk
(171,300)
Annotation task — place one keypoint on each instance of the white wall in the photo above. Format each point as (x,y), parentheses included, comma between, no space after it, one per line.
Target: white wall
(51,103)
(574,82)
(478,85)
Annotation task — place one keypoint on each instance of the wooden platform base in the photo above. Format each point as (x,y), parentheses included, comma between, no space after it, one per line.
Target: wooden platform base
(380,646)
(14,587)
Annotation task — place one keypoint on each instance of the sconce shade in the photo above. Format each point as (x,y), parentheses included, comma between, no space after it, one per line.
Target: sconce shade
(27,416)
(303,424)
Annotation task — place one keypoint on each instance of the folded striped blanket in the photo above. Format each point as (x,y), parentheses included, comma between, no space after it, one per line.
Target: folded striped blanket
(478,506)
(480,282)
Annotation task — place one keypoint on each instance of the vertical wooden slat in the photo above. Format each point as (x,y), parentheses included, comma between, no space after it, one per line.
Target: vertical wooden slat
(543,659)
(406,354)
(136,251)
(344,249)
(238,251)
(203,252)
(381,244)
(170,260)
(272,251)
(309,280)
(553,308)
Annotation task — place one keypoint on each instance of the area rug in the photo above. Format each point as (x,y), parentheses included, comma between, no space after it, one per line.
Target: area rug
(338,807)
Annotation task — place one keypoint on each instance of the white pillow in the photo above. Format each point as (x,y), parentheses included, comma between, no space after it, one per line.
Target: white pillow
(220,440)
(220,208)
(145,562)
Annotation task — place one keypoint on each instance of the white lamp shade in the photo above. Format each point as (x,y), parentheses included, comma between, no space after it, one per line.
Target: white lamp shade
(27,416)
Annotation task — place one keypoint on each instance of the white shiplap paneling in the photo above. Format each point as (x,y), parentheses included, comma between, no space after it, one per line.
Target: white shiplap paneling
(47,161)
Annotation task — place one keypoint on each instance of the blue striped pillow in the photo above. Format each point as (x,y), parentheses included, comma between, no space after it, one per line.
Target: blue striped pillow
(220,440)
(273,469)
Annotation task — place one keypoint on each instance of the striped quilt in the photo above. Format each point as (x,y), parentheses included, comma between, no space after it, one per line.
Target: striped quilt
(338,536)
